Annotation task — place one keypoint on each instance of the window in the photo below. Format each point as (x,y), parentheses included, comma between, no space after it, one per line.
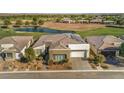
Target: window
(9,55)
(59,57)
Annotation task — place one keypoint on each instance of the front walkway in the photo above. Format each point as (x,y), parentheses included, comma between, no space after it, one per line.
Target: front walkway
(80,64)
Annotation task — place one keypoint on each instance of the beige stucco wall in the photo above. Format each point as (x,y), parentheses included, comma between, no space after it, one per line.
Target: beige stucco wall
(52,52)
(40,48)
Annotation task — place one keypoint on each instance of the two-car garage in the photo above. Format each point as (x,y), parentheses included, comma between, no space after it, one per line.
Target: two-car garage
(79,50)
(78,53)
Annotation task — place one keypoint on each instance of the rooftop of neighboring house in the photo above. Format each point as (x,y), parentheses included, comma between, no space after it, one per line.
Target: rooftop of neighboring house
(18,42)
(96,20)
(59,41)
(68,19)
(104,42)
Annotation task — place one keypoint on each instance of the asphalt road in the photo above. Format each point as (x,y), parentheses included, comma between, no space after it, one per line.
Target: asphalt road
(63,75)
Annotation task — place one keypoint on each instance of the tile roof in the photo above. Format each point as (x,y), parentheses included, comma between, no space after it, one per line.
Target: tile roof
(104,42)
(19,41)
(59,41)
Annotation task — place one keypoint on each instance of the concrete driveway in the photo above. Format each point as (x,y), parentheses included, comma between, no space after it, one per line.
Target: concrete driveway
(80,64)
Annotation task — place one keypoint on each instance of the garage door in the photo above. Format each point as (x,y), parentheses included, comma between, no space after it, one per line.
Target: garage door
(78,54)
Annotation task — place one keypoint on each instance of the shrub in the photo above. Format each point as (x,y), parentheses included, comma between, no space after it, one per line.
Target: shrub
(40,22)
(68,65)
(24,59)
(50,62)
(39,58)
(105,66)
(121,52)
(93,65)
(95,61)
(19,22)
(27,23)
(65,60)
(99,59)
(30,54)
(7,22)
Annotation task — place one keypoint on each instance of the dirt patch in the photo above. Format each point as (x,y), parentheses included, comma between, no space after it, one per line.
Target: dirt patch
(72,27)
(18,66)
(65,66)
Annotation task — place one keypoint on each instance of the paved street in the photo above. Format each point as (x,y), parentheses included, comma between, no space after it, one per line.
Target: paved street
(119,66)
(79,64)
(63,75)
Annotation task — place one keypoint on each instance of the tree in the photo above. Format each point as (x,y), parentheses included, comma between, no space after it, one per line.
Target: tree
(40,22)
(30,54)
(27,23)
(35,21)
(58,20)
(121,50)
(7,22)
(19,22)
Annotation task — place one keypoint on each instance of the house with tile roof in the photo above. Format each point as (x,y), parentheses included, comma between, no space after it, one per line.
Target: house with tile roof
(108,45)
(97,21)
(68,20)
(13,46)
(62,46)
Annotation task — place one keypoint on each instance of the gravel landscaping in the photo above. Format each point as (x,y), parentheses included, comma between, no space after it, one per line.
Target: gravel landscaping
(18,66)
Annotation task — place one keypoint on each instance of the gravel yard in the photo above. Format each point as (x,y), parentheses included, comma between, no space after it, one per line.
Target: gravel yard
(18,66)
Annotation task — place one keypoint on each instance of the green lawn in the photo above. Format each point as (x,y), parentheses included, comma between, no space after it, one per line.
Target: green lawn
(102,31)
(10,32)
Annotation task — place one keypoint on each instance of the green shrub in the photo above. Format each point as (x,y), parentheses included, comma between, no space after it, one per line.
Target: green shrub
(24,59)
(121,50)
(30,54)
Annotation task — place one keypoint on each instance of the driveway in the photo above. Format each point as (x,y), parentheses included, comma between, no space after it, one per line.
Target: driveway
(80,64)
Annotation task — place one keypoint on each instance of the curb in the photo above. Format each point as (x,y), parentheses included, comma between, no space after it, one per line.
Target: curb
(61,71)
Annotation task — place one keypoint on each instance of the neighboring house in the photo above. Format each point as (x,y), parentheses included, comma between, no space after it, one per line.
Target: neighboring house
(108,22)
(67,20)
(83,21)
(108,45)
(62,46)
(13,46)
(97,21)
